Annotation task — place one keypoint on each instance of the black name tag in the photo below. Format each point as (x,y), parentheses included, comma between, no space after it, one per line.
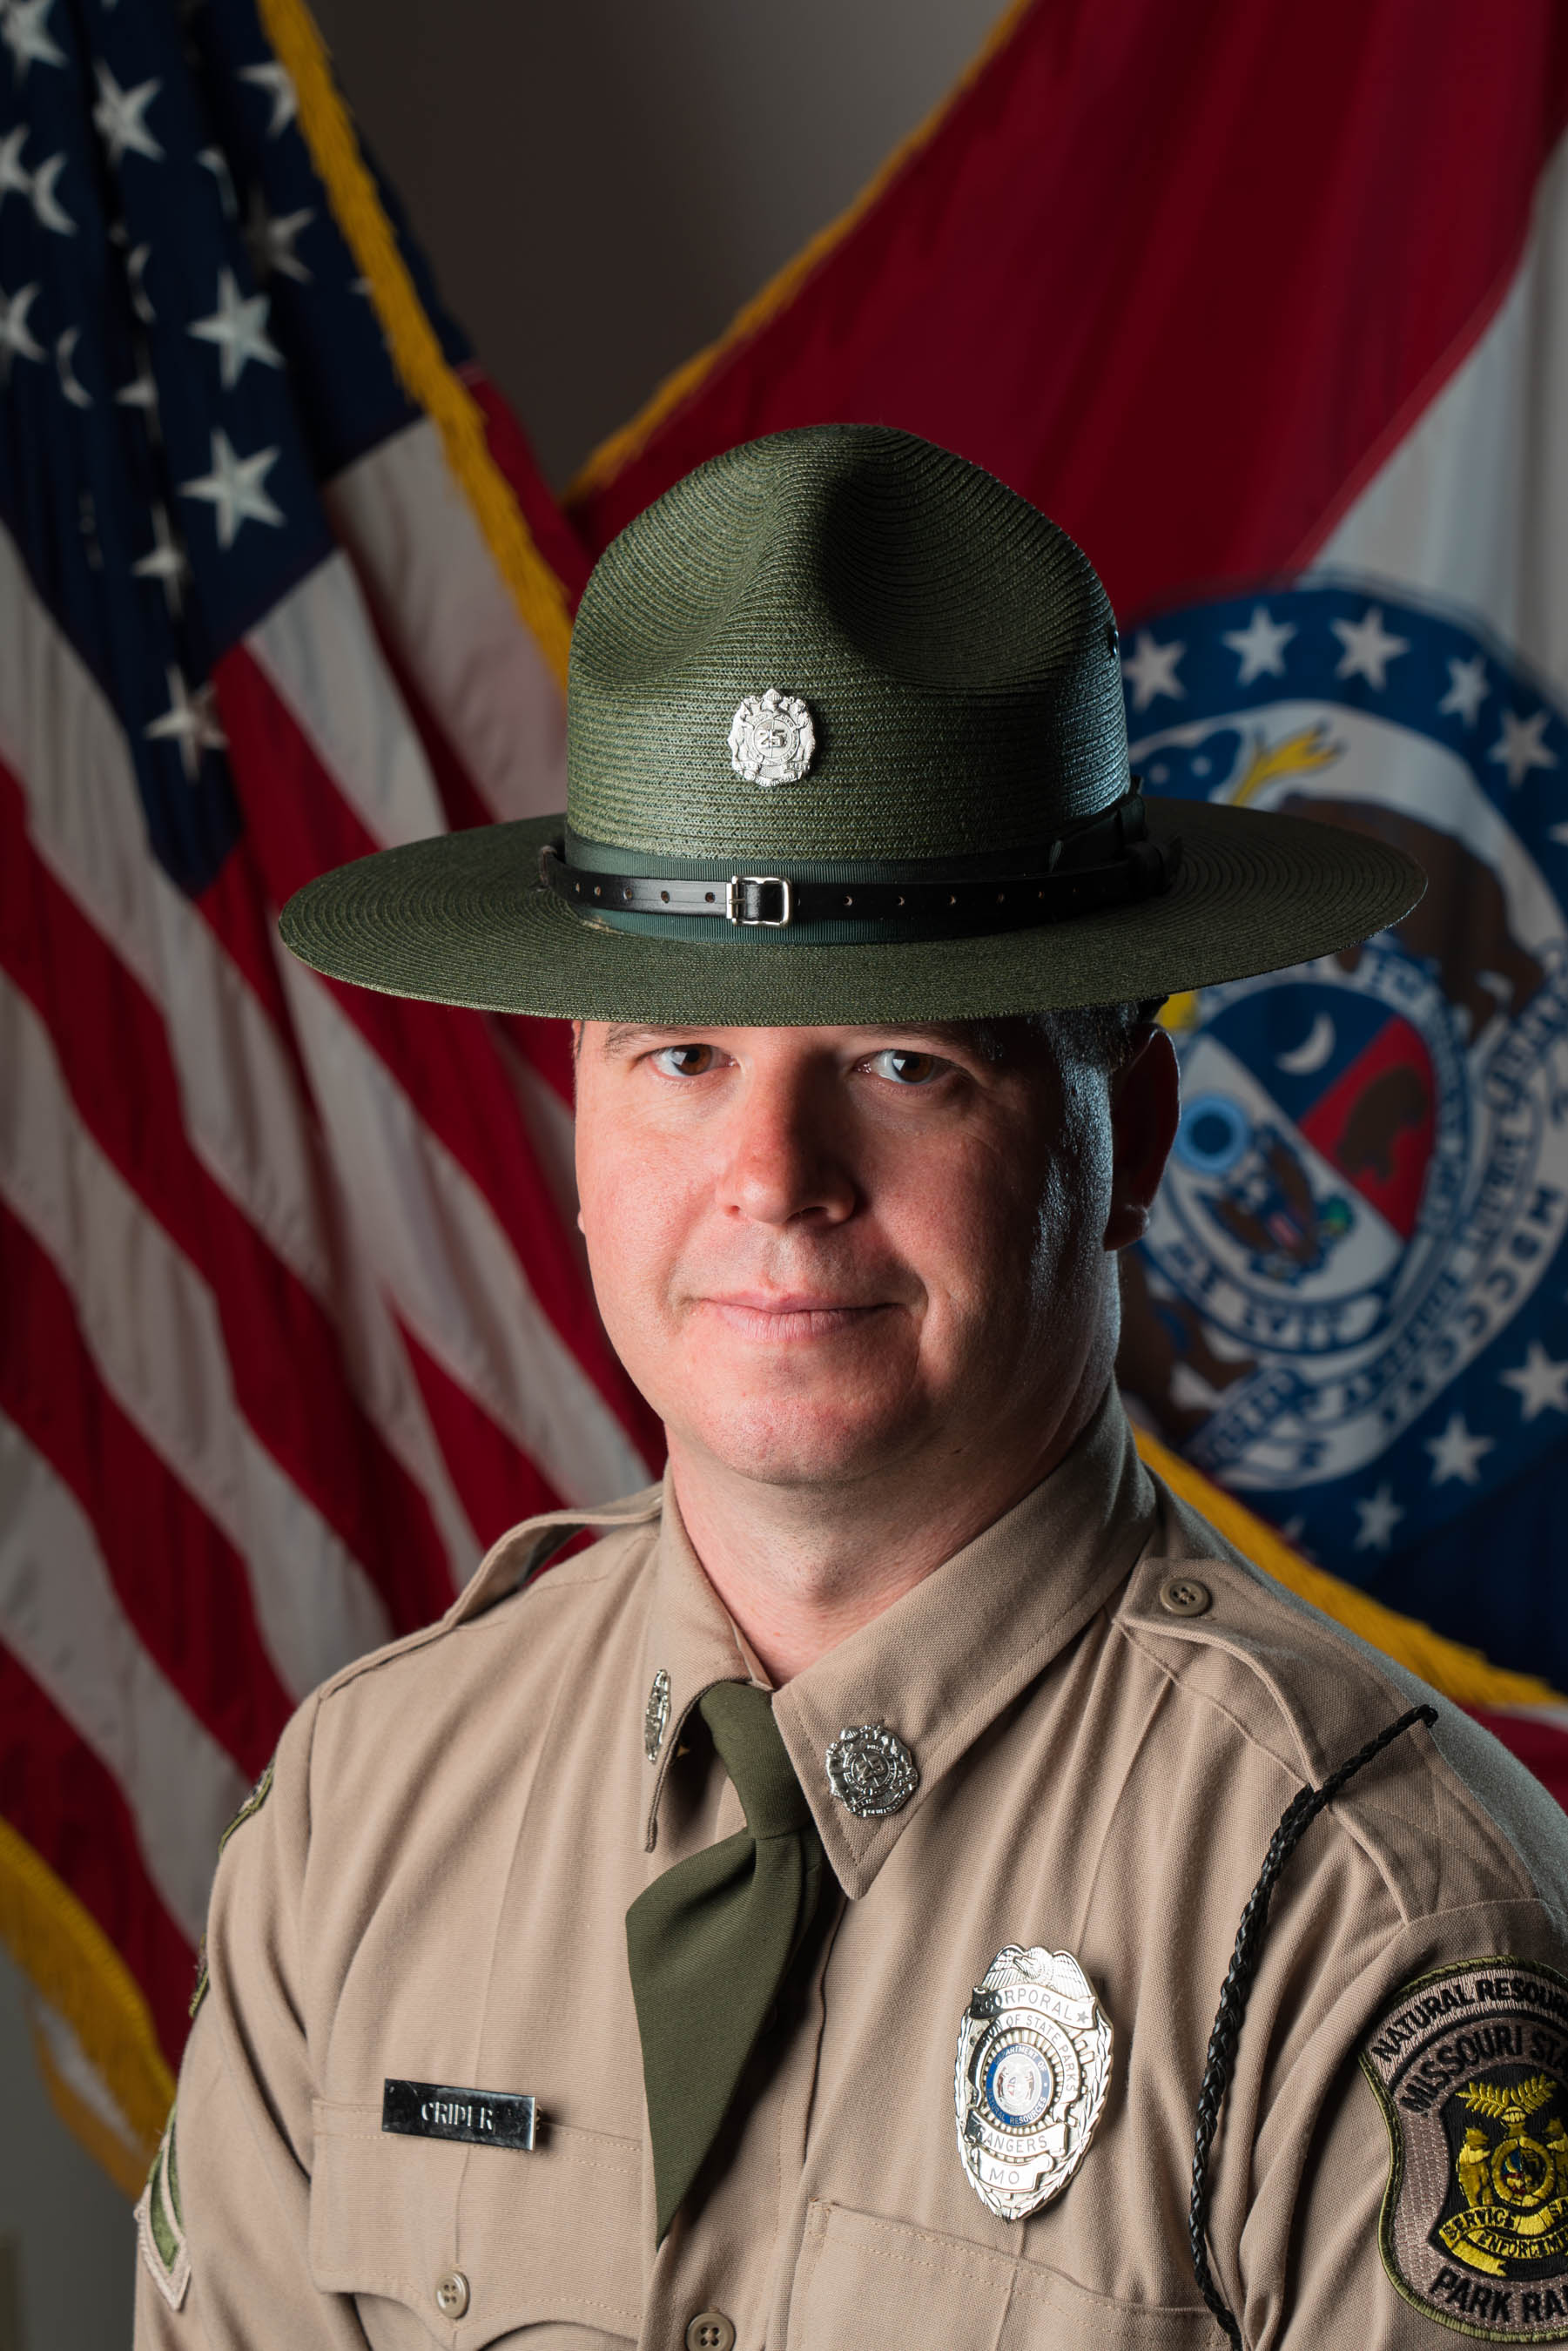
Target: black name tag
(436,2110)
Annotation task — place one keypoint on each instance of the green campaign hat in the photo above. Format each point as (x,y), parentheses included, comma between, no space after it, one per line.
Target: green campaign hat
(845,745)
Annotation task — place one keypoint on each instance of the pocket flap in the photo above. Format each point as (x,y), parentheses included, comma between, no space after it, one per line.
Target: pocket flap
(548,2235)
(863,2284)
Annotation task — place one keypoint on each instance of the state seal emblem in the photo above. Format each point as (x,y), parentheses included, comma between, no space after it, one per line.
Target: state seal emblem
(771,738)
(1350,1303)
(1470,2067)
(1034,2064)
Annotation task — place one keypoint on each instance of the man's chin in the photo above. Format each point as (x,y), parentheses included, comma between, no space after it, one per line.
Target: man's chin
(794,1444)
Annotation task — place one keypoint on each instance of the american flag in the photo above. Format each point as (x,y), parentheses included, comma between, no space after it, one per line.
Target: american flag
(295,1318)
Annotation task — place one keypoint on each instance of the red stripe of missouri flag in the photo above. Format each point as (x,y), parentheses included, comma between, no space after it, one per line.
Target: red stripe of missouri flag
(1177,276)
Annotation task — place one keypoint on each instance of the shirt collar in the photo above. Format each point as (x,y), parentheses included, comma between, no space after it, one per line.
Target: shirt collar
(937,1666)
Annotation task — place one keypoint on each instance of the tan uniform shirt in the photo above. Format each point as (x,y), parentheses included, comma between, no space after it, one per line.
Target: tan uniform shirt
(435,1888)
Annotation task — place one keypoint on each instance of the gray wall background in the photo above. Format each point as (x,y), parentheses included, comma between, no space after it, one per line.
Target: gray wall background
(600,184)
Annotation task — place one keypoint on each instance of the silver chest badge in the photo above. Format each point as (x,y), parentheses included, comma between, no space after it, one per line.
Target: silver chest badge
(771,738)
(1034,2063)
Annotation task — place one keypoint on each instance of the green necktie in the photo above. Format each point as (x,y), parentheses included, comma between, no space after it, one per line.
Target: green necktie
(710,1942)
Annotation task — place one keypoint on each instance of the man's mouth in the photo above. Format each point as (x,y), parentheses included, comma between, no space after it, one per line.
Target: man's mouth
(779,1317)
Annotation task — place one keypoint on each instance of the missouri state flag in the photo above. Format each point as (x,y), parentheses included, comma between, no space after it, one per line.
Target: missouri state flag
(1269,307)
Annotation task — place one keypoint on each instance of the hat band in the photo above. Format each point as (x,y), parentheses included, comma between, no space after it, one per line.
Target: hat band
(1062,879)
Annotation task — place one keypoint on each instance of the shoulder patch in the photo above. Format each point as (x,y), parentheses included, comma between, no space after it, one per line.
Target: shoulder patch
(160,2224)
(253,1803)
(1470,2067)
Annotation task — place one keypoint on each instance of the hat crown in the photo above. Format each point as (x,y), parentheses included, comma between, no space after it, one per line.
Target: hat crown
(955,650)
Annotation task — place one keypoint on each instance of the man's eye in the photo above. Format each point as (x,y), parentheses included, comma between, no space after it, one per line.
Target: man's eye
(907,1069)
(684,1061)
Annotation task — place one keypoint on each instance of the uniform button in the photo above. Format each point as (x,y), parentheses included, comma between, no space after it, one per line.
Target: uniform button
(452,2295)
(710,2330)
(1183,1595)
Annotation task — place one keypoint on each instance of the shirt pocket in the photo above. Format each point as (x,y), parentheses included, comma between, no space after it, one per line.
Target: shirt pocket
(867,2284)
(545,2241)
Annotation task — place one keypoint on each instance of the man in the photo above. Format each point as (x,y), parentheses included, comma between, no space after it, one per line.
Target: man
(796,1921)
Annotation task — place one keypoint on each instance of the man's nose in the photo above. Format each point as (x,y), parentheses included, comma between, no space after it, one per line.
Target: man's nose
(787,1151)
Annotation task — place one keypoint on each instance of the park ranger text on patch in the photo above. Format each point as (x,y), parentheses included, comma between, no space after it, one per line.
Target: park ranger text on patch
(796,1921)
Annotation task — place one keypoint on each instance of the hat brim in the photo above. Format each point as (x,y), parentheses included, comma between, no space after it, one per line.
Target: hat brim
(464,920)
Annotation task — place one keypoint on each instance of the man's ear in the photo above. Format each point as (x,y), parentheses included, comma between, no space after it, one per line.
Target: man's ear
(1146,1104)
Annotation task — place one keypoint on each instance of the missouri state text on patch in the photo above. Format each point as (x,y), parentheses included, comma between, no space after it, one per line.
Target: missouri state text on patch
(1470,2067)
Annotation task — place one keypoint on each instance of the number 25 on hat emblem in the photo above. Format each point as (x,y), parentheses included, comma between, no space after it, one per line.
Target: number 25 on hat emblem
(771,738)
(1034,2063)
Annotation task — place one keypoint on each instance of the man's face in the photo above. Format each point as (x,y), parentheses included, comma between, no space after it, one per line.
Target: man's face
(821,1252)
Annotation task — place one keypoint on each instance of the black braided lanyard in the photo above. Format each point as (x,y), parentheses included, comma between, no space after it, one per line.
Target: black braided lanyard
(1299,1816)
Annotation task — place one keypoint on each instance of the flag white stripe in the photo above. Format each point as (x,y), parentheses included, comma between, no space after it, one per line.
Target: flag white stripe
(318,653)
(55,726)
(244,1113)
(1472,505)
(447,1265)
(61,1615)
(433,578)
(150,1323)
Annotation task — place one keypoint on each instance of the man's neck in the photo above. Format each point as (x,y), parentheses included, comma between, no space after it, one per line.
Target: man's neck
(799,1568)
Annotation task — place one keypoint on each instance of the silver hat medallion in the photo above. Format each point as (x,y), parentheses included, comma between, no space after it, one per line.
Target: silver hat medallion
(1034,2063)
(655,1715)
(771,738)
(871,1771)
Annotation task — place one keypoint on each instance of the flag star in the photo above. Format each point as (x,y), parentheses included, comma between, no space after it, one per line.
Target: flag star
(135,263)
(214,160)
(1542,1385)
(274,80)
(1151,669)
(141,392)
(238,327)
(235,488)
(1458,1453)
(1379,1514)
(1368,648)
(77,393)
(26,34)
(1468,689)
(164,561)
(1261,645)
(17,340)
(189,722)
(271,242)
(1519,747)
(15,177)
(118,116)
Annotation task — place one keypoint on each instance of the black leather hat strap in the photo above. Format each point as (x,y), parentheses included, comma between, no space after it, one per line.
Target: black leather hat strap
(1108,862)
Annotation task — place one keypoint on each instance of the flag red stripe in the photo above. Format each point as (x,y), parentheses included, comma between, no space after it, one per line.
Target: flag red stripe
(181,1582)
(282,1350)
(1540,1747)
(59,1796)
(499,1481)
(443,1059)
(1118,273)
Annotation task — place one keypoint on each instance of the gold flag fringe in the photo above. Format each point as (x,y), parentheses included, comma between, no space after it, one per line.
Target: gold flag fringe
(72,1964)
(1463,1675)
(416,352)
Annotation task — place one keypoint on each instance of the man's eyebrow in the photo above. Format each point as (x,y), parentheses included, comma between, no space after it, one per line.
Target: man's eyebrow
(624,1035)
